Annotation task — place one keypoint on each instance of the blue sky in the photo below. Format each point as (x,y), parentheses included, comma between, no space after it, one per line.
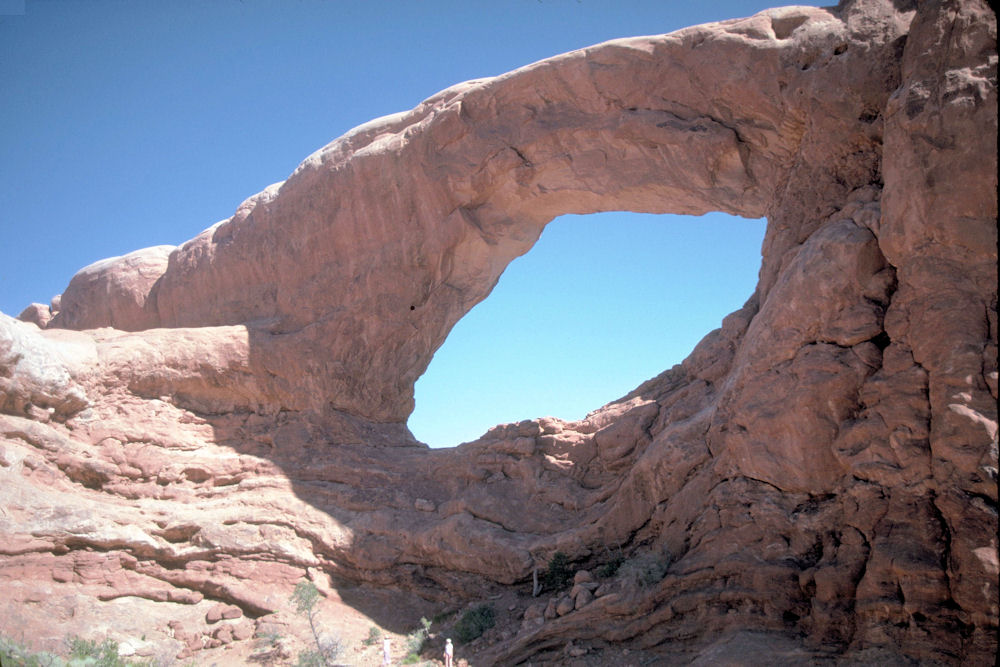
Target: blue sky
(126,124)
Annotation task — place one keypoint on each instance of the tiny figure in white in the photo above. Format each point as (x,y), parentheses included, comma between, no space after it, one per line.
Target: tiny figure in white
(449,653)
(386,652)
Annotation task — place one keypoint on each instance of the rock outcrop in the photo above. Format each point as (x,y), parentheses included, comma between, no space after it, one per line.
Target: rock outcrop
(114,292)
(819,476)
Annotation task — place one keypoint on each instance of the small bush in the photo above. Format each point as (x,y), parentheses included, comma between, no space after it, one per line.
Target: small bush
(267,640)
(374,637)
(14,653)
(444,616)
(474,623)
(415,641)
(82,653)
(103,654)
(310,658)
(611,568)
(305,597)
(646,570)
(267,648)
(327,653)
(558,574)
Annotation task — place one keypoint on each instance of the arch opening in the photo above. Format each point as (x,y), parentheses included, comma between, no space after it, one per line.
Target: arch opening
(601,303)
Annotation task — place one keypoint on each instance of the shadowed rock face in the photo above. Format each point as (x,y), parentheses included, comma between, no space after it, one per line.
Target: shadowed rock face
(822,468)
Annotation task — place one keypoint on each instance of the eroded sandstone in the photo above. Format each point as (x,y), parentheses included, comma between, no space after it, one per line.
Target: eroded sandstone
(197,429)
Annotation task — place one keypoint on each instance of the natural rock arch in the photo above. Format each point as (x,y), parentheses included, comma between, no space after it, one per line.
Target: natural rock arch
(824,463)
(601,303)
(366,256)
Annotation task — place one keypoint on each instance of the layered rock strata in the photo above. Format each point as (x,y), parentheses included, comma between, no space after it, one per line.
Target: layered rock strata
(230,414)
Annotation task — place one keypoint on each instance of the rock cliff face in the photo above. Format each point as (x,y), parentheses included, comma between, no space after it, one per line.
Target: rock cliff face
(818,480)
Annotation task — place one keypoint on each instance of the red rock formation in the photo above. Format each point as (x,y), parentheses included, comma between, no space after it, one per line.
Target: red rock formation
(819,474)
(113,292)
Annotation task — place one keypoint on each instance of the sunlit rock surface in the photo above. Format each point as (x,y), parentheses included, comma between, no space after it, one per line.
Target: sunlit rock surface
(818,480)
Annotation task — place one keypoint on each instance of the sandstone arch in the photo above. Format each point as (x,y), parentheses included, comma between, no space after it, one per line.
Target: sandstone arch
(823,464)
(440,199)
(599,304)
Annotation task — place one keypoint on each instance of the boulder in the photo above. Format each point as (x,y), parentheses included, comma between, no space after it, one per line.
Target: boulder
(37,314)
(114,292)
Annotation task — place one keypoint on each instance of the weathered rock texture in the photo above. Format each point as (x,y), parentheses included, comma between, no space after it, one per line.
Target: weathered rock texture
(114,292)
(820,472)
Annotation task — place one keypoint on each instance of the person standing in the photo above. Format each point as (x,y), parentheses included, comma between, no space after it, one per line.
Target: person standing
(449,653)
(386,652)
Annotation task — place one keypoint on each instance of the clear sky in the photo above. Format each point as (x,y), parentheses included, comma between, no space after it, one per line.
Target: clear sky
(126,124)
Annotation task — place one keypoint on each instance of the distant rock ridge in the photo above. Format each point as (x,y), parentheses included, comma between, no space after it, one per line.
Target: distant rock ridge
(203,425)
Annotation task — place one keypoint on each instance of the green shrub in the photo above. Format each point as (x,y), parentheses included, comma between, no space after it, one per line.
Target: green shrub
(558,574)
(305,597)
(444,616)
(82,653)
(310,658)
(266,648)
(90,652)
(611,568)
(14,653)
(374,637)
(415,641)
(267,640)
(646,570)
(474,623)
